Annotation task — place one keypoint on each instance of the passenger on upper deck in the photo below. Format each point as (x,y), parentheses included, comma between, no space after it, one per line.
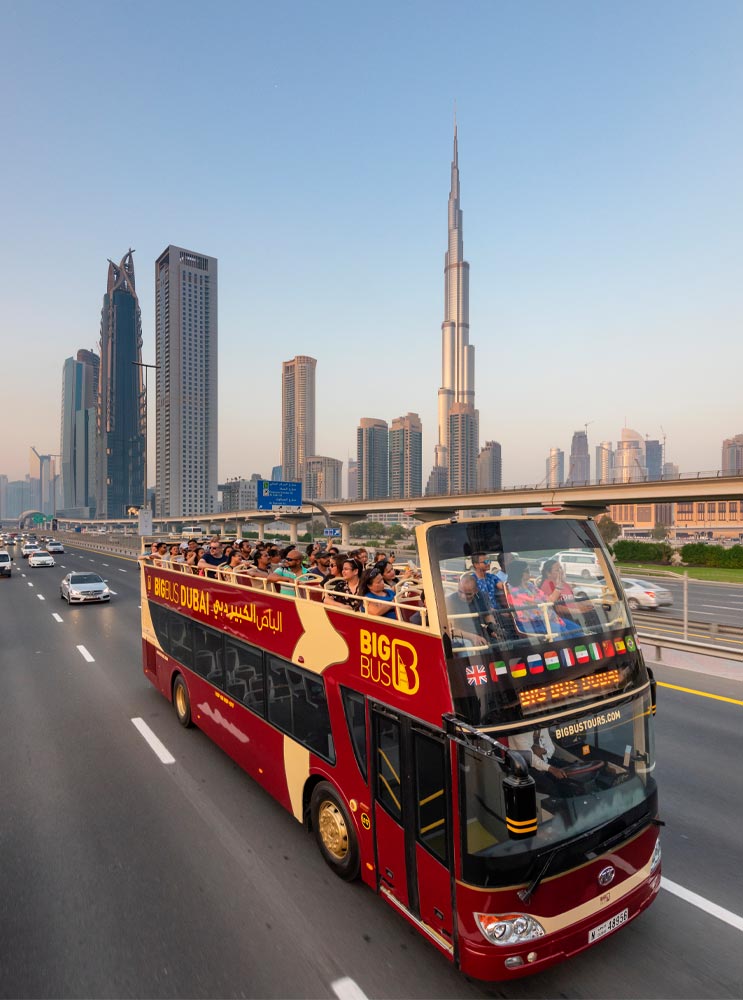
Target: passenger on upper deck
(533,612)
(213,558)
(321,567)
(469,612)
(373,587)
(290,569)
(491,584)
(346,590)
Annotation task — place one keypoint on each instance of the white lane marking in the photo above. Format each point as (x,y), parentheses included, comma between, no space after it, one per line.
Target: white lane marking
(41,597)
(29,584)
(91,560)
(113,592)
(155,745)
(62,567)
(85,654)
(347,989)
(122,570)
(106,565)
(56,617)
(704,904)
(721,607)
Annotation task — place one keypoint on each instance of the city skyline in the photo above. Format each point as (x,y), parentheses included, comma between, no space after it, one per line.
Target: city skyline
(603,215)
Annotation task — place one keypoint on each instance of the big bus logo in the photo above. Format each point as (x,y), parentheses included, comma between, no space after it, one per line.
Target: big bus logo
(389,662)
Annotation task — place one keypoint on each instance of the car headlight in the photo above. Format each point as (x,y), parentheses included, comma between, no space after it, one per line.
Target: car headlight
(75,593)
(655,860)
(508,928)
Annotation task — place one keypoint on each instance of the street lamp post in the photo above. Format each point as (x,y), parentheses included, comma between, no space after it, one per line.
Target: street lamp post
(141,364)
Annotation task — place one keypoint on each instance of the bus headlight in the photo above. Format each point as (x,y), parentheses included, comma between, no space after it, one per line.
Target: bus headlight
(655,860)
(508,928)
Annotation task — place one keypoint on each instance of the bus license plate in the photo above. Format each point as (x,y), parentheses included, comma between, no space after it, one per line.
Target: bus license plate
(608,926)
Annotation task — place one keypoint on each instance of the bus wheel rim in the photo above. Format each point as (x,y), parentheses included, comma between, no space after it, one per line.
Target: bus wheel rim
(333,830)
(180,700)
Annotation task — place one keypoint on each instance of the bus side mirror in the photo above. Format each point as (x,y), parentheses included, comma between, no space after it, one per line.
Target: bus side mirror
(520,796)
(653,691)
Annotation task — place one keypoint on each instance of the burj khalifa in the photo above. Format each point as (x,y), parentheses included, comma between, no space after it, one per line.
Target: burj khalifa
(455,463)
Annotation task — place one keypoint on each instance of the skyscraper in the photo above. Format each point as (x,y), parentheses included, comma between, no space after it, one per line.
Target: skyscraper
(579,470)
(463,448)
(732,456)
(555,467)
(372,449)
(297,415)
(458,357)
(406,457)
(489,468)
(323,478)
(186,331)
(629,458)
(604,462)
(121,431)
(654,459)
(78,432)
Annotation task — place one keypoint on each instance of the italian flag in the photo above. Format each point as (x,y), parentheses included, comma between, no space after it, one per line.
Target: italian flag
(551,661)
(595,649)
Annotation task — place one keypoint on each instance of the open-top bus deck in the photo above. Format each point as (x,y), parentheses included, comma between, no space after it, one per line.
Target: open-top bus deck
(484,761)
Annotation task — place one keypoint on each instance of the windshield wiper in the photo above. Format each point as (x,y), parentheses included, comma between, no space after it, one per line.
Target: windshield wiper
(526,894)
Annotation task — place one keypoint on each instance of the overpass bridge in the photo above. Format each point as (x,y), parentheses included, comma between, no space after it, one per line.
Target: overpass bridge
(592,499)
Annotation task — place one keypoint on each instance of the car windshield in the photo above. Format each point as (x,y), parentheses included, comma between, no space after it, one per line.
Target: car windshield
(521,635)
(607,759)
(78,578)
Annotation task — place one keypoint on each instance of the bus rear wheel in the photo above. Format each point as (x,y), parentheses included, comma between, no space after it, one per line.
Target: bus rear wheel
(181,702)
(334,831)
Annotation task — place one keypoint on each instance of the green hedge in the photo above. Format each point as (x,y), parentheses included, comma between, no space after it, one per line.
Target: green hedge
(626,550)
(698,554)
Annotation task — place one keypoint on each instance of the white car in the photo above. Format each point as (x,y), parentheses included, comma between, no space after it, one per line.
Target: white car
(41,558)
(79,588)
(643,594)
(6,563)
(54,546)
(27,548)
(580,563)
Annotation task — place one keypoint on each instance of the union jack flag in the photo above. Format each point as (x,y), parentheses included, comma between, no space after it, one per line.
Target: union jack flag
(476,675)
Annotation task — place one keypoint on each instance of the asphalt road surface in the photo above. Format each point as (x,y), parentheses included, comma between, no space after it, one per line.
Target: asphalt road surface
(122,876)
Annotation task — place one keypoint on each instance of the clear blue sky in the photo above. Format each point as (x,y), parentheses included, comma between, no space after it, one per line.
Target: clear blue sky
(307,146)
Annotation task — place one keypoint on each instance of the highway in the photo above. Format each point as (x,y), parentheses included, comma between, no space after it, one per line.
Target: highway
(126,876)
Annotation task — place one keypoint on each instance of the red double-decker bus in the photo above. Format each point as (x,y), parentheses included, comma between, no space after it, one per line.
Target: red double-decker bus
(484,760)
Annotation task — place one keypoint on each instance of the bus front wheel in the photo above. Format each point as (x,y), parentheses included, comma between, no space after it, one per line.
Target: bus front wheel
(181,701)
(334,831)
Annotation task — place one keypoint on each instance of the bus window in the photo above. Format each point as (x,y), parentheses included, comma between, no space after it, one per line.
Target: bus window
(244,668)
(297,704)
(430,762)
(355,708)
(207,657)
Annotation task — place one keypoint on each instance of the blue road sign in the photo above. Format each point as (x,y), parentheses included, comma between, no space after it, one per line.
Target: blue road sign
(277,493)
(332,532)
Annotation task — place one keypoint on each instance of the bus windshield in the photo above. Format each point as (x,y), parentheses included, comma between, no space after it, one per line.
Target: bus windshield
(594,776)
(531,616)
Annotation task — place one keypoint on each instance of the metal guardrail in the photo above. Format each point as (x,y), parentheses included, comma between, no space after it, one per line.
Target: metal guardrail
(661,642)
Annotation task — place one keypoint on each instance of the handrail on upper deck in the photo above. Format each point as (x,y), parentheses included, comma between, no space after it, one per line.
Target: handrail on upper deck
(306,586)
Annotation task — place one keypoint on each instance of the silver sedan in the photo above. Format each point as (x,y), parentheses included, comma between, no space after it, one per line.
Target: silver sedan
(80,588)
(643,594)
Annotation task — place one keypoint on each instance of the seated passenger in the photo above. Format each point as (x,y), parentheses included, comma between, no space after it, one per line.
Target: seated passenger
(488,582)
(290,570)
(338,591)
(469,612)
(543,757)
(378,595)
(553,584)
(533,612)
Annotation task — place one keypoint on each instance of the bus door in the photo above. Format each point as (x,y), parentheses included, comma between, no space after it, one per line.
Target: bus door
(412,820)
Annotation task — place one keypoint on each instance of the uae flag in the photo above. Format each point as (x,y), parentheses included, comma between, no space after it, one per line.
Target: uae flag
(552,661)
(609,648)
(620,646)
(595,650)
(518,668)
(581,654)
(476,675)
(568,657)
(498,669)
(631,645)
(536,666)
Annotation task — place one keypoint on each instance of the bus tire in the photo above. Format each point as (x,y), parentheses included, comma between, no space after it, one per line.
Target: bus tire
(334,832)
(181,702)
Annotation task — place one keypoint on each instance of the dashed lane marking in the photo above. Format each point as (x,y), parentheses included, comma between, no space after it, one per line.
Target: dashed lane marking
(158,748)
(41,597)
(85,654)
(121,570)
(56,617)
(347,989)
(29,584)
